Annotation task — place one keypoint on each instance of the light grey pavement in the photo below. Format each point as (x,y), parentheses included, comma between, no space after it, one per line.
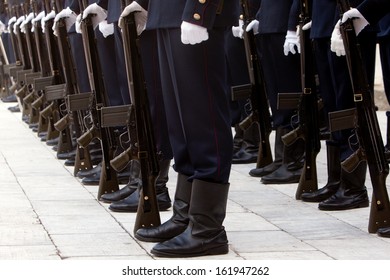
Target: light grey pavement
(47,214)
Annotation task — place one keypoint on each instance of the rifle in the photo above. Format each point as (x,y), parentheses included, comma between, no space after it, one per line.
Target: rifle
(308,128)
(368,133)
(75,117)
(147,213)
(108,178)
(257,93)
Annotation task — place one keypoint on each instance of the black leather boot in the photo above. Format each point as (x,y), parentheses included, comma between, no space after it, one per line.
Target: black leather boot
(334,173)
(179,220)
(291,169)
(205,234)
(130,203)
(352,192)
(133,184)
(249,147)
(278,153)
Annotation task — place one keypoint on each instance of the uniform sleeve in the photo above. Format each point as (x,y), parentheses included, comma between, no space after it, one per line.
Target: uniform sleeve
(202,12)
(143,3)
(374,10)
(293,19)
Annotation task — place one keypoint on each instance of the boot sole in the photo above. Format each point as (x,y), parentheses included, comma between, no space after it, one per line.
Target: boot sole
(220,250)
(151,239)
(161,207)
(359,205)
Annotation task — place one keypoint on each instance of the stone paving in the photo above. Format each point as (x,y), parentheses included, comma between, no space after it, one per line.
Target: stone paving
(47,214)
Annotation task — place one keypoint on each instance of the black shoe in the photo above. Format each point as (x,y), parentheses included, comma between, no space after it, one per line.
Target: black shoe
(342,201)
(282,175)
(243,157)
(187,245)
(118,195)
(87,173)
(94,179)
(53,141)
(66,155)
(14,109)
(9,98)
(321,194)
(130,203)
(260,172)
(165,231)
(384,232)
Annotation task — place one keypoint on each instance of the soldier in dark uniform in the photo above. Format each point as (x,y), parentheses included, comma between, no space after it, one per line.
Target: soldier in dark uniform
(372,11)
(245,143)
(190,36)
(345,190)
(126,199)
(282,75)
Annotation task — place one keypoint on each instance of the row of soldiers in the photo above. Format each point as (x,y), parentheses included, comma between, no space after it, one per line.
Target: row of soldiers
(74,91)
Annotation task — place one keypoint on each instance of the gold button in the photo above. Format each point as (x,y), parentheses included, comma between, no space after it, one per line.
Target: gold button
(197,16)
(202,1)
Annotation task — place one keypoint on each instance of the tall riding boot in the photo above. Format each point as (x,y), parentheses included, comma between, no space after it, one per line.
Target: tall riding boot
(250,146)
(291,169)
(334,173)
(205,234)
(387,146)
(130,203)
(278,153)
(179,220)
(129,188)
(352,192)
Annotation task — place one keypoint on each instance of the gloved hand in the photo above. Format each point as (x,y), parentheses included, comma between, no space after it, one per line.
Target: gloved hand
(99,13)
(29,18)
(68,15)
(238,31)
(49,16)
(253,25)
(11,21)
(292,41)
(193,34)
(17,23)
(39,17)
(359,22)
(77,24)
(307,26)
(336,41)
(107,29)
(140,16)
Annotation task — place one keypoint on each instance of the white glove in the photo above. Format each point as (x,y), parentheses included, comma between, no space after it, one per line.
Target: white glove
(140,17)
(193,34)
(77,24)
(253,25)
(238,31)
(336,41)
(359,22)
(292,41)
(11,21)
(17,23)
(68,15)
(107,29)
(99,13)
(39,17)
(307,26)
(29,18)
(48,17)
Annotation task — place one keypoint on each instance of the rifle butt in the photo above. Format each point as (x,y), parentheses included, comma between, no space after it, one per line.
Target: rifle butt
(108,182)
(264,156)
(82,160)
(379,214)
(147,213)
(308,182)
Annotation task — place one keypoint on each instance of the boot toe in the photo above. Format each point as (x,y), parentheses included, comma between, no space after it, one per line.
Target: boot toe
(384,232)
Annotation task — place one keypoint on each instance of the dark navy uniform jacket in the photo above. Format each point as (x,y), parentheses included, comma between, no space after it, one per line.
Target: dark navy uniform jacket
(113,8)
(271,10)
(374,10)
(206,13)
